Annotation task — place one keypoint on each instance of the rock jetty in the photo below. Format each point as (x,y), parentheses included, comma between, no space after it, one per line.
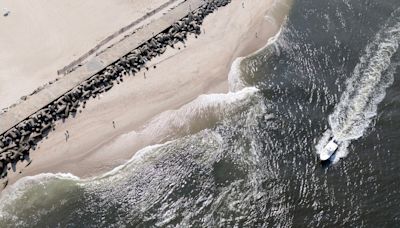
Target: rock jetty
(16,143)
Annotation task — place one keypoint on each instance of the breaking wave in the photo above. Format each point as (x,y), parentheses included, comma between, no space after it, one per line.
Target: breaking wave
(42,195)
(201,113)
(170,183)
(245,158)
(180,159)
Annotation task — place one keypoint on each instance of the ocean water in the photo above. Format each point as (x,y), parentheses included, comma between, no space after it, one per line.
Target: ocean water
(249,158)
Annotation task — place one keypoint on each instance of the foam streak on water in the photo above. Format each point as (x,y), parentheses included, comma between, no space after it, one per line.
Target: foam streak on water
(366,88)
(245,158)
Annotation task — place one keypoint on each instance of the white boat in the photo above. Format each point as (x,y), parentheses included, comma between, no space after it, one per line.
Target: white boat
(328,150)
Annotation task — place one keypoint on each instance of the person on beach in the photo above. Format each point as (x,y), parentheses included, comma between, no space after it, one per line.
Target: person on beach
(6,12)
(66,135)
(113,123)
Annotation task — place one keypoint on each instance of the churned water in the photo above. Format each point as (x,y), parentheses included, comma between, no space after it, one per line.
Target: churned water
(249,158)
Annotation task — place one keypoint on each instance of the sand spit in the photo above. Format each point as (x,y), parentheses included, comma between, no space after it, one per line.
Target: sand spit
(16,143)
(198,66)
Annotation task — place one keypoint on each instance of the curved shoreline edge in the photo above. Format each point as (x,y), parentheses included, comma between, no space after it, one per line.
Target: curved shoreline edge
(21,134)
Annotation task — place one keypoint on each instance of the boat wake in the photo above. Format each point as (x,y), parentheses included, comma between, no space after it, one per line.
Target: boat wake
(365,89)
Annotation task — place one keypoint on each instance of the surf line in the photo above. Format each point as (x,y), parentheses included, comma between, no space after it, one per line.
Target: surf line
(18,140)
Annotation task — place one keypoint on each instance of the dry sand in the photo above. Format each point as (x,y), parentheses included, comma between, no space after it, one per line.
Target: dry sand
(181,76)
(40,37)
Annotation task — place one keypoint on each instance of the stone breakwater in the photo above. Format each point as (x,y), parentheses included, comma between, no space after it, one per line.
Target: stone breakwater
(16,143)
(75,64)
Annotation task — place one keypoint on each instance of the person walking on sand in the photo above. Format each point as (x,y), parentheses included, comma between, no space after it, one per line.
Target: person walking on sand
(66,135)
(6,12)
(113,124)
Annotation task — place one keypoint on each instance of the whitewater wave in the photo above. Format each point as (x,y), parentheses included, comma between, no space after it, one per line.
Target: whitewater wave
(139,181)
(152,177)
(206,110)
(200,114)
(250,64)
(16,190)
(366,88)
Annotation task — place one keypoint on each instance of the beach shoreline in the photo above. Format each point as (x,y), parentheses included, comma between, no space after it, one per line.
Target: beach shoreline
(181,75)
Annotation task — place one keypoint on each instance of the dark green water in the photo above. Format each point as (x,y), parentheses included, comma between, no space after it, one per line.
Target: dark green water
(332,70)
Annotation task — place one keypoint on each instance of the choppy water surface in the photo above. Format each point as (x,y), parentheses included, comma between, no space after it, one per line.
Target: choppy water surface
(251,160)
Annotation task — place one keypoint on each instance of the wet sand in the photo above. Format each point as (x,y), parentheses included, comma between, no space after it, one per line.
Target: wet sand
(180,76)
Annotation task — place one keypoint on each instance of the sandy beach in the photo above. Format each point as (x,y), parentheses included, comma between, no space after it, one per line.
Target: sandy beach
(181,75)
(39,38)
(216,113)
